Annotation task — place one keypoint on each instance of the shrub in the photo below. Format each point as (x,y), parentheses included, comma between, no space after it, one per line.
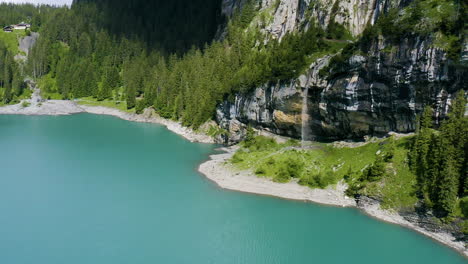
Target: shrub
(282,175)
(140,107)
(328,179)
(465,227)
(260,171)
(349,175)
(249,137)
(389,150)
(237,157)
(376,171)
(293,167)
(354,189)
(25,104)
(310,179)
(464,206)
(271,161)
(259,143)
(317,180)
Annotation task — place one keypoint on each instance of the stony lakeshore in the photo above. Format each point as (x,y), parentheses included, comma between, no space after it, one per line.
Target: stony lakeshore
(225,176)
(218,170)
(37,106)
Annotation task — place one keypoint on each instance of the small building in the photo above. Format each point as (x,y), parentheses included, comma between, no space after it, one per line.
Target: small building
(22,26)
(8,29)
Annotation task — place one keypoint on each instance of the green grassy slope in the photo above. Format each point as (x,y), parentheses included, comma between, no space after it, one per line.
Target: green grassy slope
(11,40)
(321,165)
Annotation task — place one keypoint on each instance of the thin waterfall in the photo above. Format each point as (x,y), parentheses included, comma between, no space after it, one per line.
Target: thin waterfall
(305,131)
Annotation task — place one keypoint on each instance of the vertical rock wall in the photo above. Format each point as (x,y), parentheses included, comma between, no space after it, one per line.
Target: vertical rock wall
(376,93)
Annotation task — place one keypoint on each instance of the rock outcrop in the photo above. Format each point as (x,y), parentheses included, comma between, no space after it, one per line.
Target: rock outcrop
(290,15)
(375,93)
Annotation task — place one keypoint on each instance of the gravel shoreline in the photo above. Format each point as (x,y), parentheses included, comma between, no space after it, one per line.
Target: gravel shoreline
(225,176)
(62,107)
(150,117)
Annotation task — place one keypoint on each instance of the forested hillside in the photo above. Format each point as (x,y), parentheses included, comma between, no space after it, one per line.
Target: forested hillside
(78,55)
(11,78)
(12,72)
(149,49)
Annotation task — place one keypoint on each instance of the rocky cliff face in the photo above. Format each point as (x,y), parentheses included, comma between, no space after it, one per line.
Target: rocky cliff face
(376,93)
(290,15)
(286,16)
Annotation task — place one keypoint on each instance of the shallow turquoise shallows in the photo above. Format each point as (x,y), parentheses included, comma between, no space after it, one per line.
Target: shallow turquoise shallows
(89,189)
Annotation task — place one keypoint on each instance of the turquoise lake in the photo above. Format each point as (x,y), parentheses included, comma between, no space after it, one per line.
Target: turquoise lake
(88,189)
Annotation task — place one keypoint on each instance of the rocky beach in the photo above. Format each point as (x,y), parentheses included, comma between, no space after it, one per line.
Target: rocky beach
(218,170)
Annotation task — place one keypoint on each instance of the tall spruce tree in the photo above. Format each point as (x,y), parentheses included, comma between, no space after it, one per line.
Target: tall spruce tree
(447,189)
(105,92)
(130,97)
(454,132)
(420,150)
(439,158)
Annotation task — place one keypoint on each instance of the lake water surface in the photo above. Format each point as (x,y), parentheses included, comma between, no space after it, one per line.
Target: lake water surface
(88,189)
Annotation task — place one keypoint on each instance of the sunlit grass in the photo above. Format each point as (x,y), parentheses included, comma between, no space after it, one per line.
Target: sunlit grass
(324,164)
(120,105)
(11,40)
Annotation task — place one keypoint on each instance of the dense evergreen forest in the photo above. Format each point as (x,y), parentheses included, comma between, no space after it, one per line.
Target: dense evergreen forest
(12,73)
(81,54)
(157,54)
(439,160)
(11,78)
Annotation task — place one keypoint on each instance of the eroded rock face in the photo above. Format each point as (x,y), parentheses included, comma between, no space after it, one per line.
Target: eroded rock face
(373,95)
(384,91)
(290,15)
(275,108)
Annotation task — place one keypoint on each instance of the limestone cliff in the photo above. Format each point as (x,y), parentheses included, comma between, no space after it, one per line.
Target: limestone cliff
(289,15)
(374,93)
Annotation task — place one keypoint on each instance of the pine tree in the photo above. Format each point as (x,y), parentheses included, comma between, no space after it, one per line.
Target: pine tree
(130,97)
(376,171)
(439,159)
(447,185)
(434,158)
(17,85)
(7,94)
(7,80)
(106,91)
(113,77)
(426,118)
(454,133)
(418,156)
(84,46)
